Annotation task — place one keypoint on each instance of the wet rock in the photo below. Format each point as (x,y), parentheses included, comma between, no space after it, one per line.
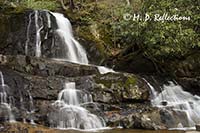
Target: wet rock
(139,116)
(46,67)
(122,87)
(198,127)
(191,85)
(95,50)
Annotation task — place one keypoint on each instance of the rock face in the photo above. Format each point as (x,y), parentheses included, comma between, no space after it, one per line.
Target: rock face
(187,72)
(44,78)
(198,127)
(19,36)
(45,67)
(120,98)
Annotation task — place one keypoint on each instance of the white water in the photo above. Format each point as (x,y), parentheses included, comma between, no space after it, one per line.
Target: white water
(37,36)
(74,51)
(48,22)
(154,94)
(31,108)
(48,19)
(70,114)
(4,103)
(173,96)
(27,34)
(104,70)
(3,94)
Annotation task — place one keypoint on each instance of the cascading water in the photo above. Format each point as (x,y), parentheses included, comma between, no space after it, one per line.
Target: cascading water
(70,49)
(104,70)
(5,100)
(70,113)
(31,108)
(38,37)
(174,97)
(74,52)
(38,28)
(3,93)
(27,34)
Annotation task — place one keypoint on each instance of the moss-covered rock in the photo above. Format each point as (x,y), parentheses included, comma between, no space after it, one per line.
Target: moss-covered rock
(122,87)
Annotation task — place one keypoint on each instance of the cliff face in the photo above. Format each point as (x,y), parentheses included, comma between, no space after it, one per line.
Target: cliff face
(44,78)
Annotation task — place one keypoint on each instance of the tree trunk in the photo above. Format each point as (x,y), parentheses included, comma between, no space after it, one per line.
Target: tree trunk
(63,5)
(72,6)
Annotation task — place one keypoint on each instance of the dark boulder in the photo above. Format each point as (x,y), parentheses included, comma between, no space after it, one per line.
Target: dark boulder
(46,67)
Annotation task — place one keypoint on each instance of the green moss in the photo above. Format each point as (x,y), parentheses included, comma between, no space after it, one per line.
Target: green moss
(85,33)
(118,79)
(131,81)
(106,83)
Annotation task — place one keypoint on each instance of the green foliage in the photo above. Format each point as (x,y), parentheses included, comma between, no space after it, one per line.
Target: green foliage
(31,4)
(166,39)
(40,4)
(130,81)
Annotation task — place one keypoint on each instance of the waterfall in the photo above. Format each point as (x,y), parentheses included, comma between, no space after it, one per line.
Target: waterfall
(27,34)
(71,102)
(38,28)
(154,94)
(3,93)
(38,37)
(31,108)
(70,113)
(104,70)
(69,48)
(74,51)
(5,100)
(174,97)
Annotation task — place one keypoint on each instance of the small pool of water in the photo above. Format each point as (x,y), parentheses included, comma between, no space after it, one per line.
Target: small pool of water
(124,131)
(18,127)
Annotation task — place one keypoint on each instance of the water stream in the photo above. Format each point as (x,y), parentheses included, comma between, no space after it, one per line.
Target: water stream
(70,113)
(31,108)
(5,100)
(74,52)
(70,49)
(186,107)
